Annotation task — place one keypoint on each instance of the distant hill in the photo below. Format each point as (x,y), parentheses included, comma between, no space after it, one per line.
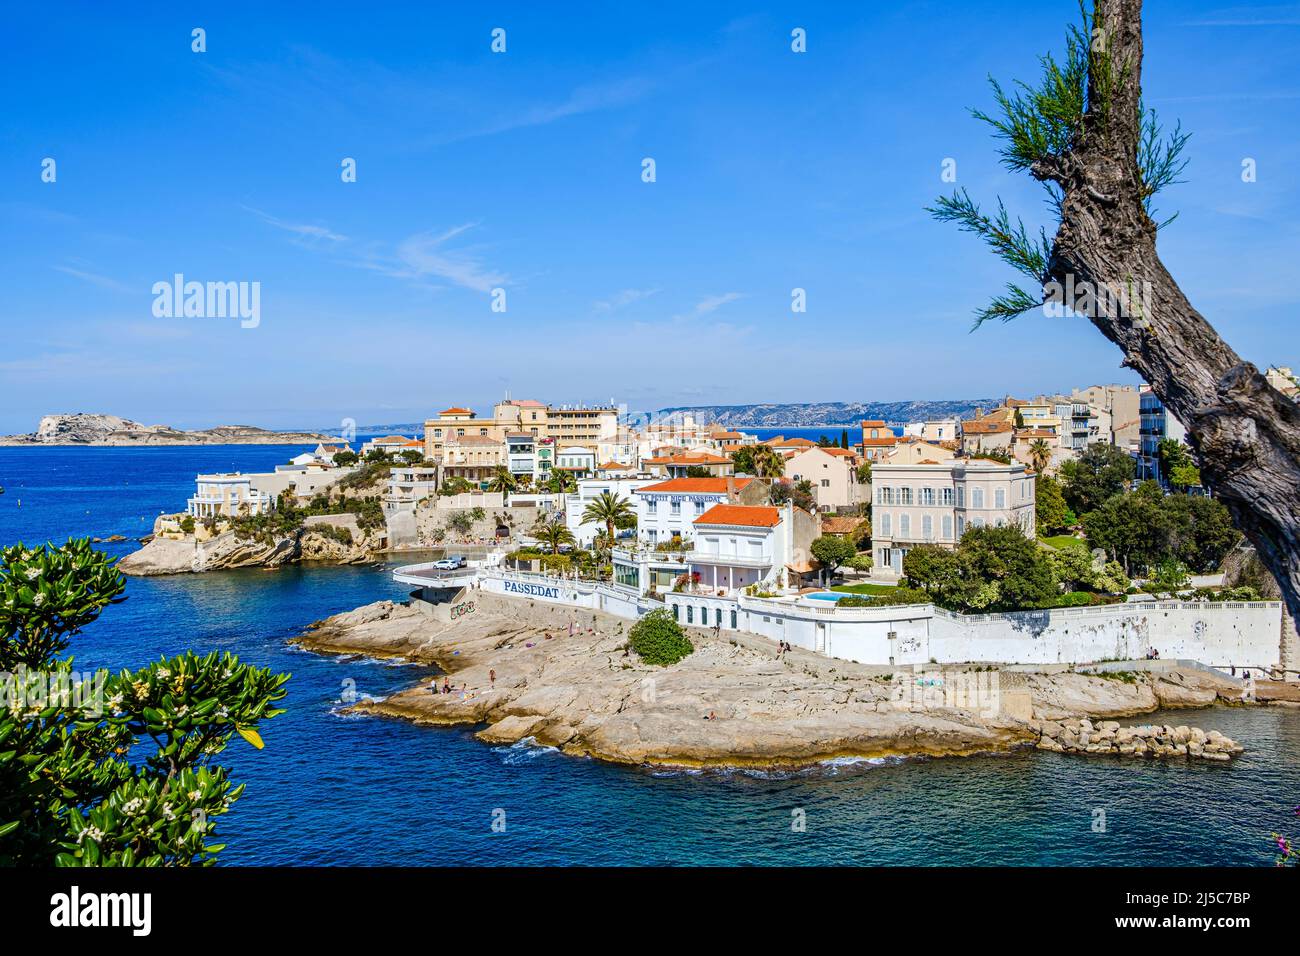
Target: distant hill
(83,428)
(819,414)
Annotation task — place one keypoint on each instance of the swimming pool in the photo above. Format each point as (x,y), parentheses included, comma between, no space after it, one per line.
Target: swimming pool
(826,595)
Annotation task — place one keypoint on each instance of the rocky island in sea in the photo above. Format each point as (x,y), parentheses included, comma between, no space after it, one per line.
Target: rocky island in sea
(84,428)
(565,678)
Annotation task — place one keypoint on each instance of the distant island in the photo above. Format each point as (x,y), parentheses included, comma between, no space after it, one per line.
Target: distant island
(90,429)
(827,414)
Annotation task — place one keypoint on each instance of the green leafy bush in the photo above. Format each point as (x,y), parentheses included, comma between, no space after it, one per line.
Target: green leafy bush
(658,639)
(70,792)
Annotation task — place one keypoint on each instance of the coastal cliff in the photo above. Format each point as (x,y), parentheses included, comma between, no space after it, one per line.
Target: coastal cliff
(164,555)
(93,429)
(731,702)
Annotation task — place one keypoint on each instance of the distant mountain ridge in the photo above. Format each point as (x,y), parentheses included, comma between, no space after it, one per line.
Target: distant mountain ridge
(827,414)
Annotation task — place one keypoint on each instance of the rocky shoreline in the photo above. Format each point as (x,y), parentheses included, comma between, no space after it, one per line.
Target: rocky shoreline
(110,430)
(162,555)
(564,678)
(1156,741)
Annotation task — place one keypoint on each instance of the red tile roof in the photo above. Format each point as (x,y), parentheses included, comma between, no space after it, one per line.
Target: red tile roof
(696,485)
(455,411)
(985,427)
(747,516)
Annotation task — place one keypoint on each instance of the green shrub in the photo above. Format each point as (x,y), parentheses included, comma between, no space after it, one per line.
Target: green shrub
(658,639)
(898,595)
(557,563)
(187,524)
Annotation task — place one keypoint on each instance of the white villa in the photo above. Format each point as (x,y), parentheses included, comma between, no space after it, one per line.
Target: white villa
(667,509)
(228,495)
(740,545)
(408,485)
(934,503)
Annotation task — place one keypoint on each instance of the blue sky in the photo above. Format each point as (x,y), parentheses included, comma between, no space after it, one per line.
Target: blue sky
(522,171)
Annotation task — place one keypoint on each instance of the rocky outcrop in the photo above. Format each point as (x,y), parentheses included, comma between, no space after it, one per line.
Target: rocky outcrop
(93,429)
(1155,741)
(731,702)
(227,550)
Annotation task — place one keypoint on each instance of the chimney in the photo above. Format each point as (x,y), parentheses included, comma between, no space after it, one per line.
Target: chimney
(731,488)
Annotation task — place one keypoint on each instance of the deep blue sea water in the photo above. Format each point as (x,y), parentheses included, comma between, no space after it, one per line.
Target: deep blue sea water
(330,789)
(833,432)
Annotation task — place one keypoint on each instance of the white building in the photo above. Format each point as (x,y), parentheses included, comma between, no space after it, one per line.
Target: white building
(326,452)
(668,509)
(408,486)
(934,430)
(228,495)
(740,545)
(936,503)
(521,454)
(578,460)
(392,445)
(588,490)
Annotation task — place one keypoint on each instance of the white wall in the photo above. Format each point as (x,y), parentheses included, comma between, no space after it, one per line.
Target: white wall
(1219,634)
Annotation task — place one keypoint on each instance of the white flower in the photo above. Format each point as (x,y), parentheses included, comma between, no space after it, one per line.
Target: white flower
(168,812)
(195,794)
(39,599)
(33,574)
(132,806)
(164,672)
(94,833)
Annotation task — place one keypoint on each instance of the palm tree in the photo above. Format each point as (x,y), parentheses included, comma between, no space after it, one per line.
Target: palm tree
(504,482)
(562,482)
(768,463)
(608,509)
(553,534)
(1040,453)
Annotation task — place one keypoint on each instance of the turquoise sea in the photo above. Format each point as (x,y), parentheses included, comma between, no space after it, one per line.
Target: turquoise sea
(330,789)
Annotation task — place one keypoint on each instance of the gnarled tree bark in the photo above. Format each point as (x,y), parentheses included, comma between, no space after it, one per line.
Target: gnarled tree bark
(1244,433)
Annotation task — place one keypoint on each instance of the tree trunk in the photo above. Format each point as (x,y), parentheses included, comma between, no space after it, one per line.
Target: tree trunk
(1244,433)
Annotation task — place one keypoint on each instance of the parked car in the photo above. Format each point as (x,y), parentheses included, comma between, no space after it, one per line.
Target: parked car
(450,563)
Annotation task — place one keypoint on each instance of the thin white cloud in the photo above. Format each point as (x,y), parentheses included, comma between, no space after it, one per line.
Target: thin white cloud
(714,302)
(311,233)
(425,255)
(584,99)
(622,299)
(417,258)
(104,282)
